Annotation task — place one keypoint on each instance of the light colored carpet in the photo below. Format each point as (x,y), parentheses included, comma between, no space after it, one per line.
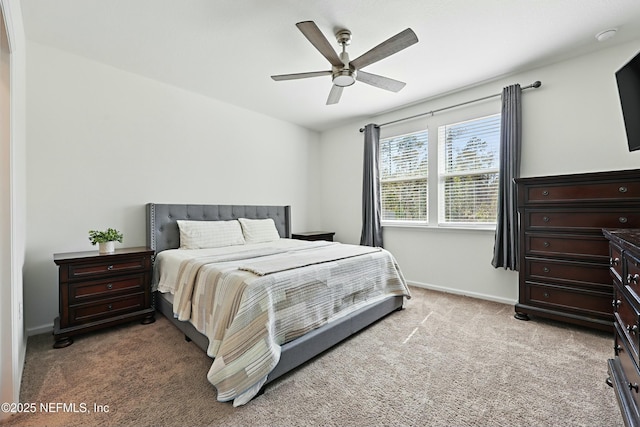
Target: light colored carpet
(445,360)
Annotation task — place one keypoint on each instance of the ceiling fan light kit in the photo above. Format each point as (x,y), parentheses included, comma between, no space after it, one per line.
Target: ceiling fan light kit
(345,72)
(344,78)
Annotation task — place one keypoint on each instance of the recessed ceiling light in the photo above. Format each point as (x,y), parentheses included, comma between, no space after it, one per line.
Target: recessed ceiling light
(606,34)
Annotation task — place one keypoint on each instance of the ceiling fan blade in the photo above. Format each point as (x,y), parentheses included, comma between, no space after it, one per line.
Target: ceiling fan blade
(393,45)
(380,81)
(334,95)
(317,39)
(300,75)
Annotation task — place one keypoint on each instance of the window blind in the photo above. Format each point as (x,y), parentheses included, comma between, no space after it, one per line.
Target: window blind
(468,170)
(403,177)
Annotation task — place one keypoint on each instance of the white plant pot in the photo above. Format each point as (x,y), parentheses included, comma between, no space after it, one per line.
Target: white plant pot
(106,247)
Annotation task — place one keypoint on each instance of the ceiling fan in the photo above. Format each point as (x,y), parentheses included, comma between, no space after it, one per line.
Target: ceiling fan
(345,72)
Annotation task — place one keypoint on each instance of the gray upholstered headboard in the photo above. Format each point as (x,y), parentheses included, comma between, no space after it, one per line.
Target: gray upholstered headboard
(162,228)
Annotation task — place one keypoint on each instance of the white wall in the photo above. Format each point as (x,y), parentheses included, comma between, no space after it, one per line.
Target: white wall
(571,124)
(12,201)
(102,143)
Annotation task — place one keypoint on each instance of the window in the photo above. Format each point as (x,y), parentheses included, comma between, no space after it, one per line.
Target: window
(403,177)
(468,171)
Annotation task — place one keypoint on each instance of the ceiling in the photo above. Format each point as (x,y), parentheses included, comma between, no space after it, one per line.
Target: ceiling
(228,49)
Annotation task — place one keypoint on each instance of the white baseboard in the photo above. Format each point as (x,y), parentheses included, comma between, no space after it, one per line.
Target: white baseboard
(42,329)
(463,292)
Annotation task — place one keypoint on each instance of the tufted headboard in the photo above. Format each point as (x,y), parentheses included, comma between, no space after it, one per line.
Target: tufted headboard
(162,228)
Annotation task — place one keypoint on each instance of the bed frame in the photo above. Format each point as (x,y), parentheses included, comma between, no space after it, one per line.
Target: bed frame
(163,233)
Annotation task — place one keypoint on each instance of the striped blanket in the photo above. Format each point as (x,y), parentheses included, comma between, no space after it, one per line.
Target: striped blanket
(248,304)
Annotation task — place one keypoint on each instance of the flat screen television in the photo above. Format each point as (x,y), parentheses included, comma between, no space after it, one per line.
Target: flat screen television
(628,79)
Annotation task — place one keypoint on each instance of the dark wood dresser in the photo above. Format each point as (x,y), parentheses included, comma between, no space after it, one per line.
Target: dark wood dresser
(101,290)
(564,257)
(624,374)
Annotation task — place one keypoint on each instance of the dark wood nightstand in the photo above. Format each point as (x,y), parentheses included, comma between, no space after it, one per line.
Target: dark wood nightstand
(101,290)
(314,235)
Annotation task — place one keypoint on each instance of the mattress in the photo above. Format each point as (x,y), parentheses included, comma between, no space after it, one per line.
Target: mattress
(250,300)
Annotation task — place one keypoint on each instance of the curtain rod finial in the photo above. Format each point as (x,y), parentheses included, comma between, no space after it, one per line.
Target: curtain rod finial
(536,84)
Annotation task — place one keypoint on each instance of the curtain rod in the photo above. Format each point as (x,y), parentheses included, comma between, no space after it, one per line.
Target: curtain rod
(534,85)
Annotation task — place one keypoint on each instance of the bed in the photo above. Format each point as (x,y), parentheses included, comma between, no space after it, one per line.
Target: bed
(188,284)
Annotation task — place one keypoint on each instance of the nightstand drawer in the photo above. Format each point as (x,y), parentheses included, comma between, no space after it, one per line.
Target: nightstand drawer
(106,266)
(86,291)
(314,235)
(89,312)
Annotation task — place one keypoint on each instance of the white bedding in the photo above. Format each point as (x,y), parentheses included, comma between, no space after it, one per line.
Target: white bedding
(165,274)
(247,317)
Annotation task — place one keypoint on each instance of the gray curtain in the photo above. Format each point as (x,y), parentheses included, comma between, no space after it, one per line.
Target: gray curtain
(371,205)
(505,250)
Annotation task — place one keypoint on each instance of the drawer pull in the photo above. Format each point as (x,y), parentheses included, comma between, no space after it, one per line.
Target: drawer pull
(617,348)
(623,219)
(545,193)
(110,286)
(110,267)
(622,189)
(546,244)
(614,261)
(546,218)
(546,295)
(616,303)
(633,279)
(633,386)
(632,329)
(109,307)
(545,269)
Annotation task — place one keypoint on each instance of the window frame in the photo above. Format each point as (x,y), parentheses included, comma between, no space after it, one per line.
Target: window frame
(435,150)
(443,175)
(425,177)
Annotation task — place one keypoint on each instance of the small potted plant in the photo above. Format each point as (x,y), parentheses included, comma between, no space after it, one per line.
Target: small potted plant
(105,239)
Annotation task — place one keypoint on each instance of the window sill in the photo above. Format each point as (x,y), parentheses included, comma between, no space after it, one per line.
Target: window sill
(425,226)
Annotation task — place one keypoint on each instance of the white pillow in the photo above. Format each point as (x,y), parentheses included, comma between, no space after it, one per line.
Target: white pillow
(209,234)
(259,230)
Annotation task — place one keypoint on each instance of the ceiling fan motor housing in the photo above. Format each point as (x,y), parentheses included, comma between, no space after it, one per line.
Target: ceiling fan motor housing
(346,75)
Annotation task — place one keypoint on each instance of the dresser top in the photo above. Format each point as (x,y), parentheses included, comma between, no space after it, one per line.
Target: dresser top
(624,237)
(71,256)
(627,174)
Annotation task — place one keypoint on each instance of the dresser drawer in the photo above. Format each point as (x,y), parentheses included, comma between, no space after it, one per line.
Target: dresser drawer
(568,272)
(86,291)
(631,269)
(627,320)
(567,245)
(107,266)
(95,311)
(576,192)
(616,262)
(591,303)
(629,367)
(585,220)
